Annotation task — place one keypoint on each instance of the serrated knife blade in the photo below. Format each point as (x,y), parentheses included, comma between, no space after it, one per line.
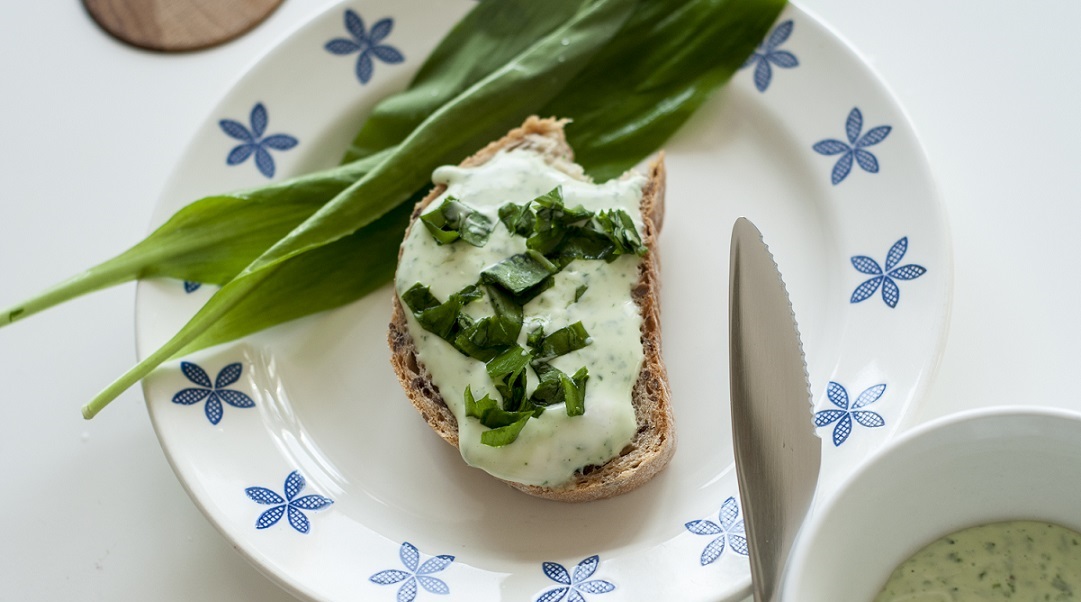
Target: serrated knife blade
(778,454)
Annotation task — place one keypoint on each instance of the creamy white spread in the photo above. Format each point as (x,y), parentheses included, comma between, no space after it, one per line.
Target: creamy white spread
(1015,560)
(552,446)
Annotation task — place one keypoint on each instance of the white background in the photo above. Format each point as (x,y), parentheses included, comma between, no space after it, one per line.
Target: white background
(90,129)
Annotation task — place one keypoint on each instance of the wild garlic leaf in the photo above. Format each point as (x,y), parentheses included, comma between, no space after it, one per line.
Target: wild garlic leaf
(584,243)
(663,64)
(487,337)
(504,305)
(454,219)
(505,435)
(554,387)
(552,383)
(328,277)
(475,408)
(210,240)
(535,338)
(444,320)
(552,221)
(563,341)
(618,226)
(491,335)
(505,426)
(518,219)
(549,389)
(488,412)
(574,393)
(419,298)
(507,371)
(489,36)
(519,273)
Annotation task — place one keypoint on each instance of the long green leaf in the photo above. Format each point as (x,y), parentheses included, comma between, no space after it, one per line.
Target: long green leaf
(481,42)
(448,134)
(667,60)
(210,240)
(328,277)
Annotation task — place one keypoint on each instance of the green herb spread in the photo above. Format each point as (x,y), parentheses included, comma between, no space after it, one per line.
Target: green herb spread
(1016,560)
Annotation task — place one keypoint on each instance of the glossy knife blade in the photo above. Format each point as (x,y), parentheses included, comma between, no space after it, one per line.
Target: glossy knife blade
(777,452)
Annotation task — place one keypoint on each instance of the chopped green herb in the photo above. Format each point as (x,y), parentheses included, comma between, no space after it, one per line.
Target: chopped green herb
(444,319)
(563,234)
(505,426)
(574,391)
(584,243)
(535,338)
(419,298)
(507,371)
(543,261)
(489,336)
(519,273)
(517,218)
(552,383)
(552,221)
(474,408)
(580,377)
(563,341)
(532,293)
(549,389)
(504,435)
(619,228)
(578,292)
(454,219)
(551,209)
(555,386)
(488,412)
(504,304)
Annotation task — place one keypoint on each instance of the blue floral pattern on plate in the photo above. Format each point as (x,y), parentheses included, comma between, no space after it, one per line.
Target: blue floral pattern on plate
(768,54)
(415,573)
(252,141)
(848,413)
(366,43)
(854,149)
(574,587)
(213,392)
(885,277)
(290,505)
(728,529)
(191,286)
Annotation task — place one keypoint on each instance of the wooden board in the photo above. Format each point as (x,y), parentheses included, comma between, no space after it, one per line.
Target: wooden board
(178,25)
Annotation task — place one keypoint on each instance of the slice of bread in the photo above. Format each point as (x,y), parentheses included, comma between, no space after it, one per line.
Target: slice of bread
(654,442)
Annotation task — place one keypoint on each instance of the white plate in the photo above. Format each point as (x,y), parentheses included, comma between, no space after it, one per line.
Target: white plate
(325,404)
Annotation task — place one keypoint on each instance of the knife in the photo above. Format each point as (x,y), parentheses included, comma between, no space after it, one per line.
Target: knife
(778,454)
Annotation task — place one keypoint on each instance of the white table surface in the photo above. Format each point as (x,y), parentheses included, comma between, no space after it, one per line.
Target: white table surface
(90,129)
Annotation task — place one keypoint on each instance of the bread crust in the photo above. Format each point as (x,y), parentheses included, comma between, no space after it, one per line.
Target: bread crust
(654,441)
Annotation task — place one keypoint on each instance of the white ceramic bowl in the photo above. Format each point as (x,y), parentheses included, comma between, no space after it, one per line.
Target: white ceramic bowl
(960,471)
